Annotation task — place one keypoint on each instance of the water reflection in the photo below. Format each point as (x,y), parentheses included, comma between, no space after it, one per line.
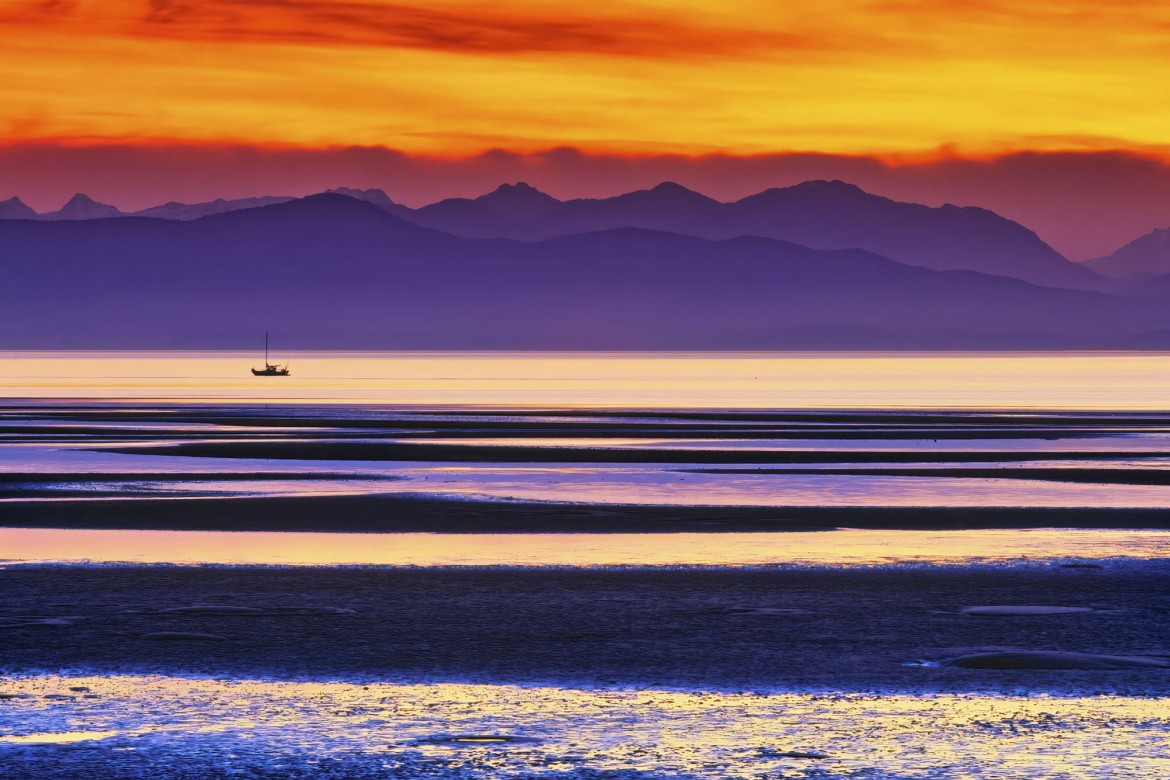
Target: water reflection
(642,380)
(774,459)
(1106,443)
(821,548)
(645,486)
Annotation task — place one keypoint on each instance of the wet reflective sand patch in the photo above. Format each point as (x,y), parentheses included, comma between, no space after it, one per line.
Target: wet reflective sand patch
(55,738)
(160,724)
(818,548)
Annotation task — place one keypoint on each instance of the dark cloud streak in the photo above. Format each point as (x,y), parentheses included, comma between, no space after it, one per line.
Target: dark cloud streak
(479,30)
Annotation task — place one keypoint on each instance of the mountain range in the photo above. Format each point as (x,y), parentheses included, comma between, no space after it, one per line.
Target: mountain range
(817,214)
(337,271)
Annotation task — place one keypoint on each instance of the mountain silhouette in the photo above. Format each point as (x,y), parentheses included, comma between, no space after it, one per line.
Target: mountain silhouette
(14,208)
(376,196)
(185,211)
(509,209)
(818,214)
(518,201)
(330,271)
(1143,257)
(81,206)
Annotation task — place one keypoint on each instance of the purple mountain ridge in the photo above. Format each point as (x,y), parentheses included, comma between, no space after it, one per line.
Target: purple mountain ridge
(1143,257)
(373,195)
(186,211)
(82,206)
(376,196)
(818,214)
(15,208)
(506,210)
(330,271)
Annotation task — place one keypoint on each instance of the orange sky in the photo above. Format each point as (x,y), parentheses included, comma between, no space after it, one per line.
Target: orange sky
(684,76)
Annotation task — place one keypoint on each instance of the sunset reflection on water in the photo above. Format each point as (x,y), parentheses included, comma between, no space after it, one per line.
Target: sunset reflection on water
(817,548)
(645,380)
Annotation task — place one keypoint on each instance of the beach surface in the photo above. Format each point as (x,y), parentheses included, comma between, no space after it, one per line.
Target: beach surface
(205,592)
(622,674)
(860,629)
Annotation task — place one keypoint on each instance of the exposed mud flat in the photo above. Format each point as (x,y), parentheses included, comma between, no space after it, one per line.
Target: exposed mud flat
(787,629)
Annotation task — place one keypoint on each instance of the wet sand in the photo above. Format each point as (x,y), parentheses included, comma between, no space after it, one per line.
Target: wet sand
(405,513)
(674,628)
(340,451)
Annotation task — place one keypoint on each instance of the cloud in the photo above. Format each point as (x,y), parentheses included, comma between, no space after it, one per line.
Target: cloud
(455,26)
(458,76)
(1014,12)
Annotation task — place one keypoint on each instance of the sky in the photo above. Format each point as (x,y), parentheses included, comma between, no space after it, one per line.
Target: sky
(948,100)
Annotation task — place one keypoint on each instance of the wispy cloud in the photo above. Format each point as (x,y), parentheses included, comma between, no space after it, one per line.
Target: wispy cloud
(455,77)
(502,28)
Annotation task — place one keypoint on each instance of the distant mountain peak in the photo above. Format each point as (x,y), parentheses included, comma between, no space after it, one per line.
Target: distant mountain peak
(15,208)
(669,186)
(373,195)
(675,193)
(1145,256)
(520,189)
(675,189)
(520,186)
(81,199)
(331,201)
(829,186)
(820,191)
(81,206)
(517,200)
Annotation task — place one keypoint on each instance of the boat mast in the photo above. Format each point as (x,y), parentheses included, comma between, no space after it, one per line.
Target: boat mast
(265,348)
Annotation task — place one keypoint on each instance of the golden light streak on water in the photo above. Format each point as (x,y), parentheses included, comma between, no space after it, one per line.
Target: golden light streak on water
(642,380)
(820,548)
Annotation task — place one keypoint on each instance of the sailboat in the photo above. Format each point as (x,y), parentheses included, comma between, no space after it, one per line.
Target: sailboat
(269,368)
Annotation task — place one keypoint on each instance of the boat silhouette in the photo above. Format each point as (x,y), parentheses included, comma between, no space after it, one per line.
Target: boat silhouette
(270,369)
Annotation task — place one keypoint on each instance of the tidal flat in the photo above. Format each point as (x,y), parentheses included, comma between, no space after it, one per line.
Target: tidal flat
(231,590)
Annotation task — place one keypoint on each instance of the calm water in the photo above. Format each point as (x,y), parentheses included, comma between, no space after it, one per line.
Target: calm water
(129,443)
(819,548)
(671,452)
(654,380)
